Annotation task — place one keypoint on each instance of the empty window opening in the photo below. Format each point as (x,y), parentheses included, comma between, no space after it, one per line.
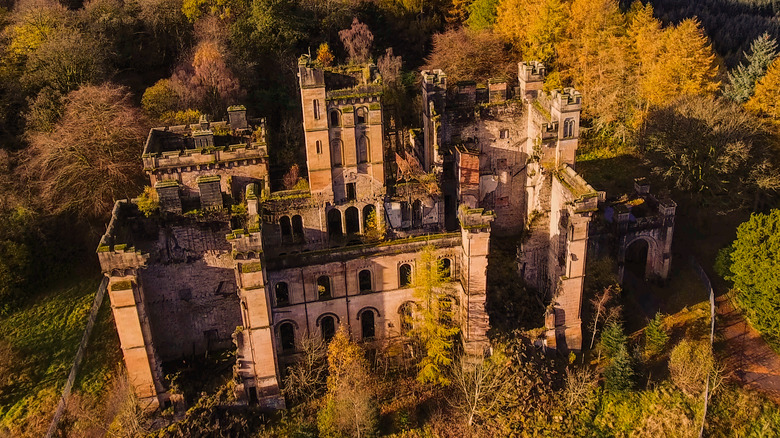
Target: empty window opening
(504,133)
(367,325)
(282,294)
(284,223)
(352,218)
(334,223)
(445,311)
(370,221)
(335,118)
(323,288)
(405,316)
(417,214)
(405,275)
(316,108)
(445,267)
(351,191)
(328,328)
(297,227)
(364,281)
(361,116)
(287,336)
(318,146)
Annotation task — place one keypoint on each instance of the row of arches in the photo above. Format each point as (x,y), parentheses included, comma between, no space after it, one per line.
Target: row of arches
(328,322)
(337,157)
(352,220)
(361,116)
(365,282)
(291,228)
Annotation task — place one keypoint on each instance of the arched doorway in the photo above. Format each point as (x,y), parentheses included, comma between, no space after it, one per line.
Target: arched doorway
(637,254)
(328,328)
(352,217)
(334,223)
(297,228)
(367,328)
(369,217)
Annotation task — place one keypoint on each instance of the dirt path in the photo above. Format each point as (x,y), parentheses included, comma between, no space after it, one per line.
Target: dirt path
(749,359)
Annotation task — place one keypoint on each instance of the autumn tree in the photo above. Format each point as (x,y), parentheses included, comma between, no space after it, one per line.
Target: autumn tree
(207,83)
(159,99)
(482,14)
(90,158)
(535,27)
(436,329)
(691,364)
(594,58)
(350,407)
(743,78)
(470,55)
(601,309)
(64,61)
(767,92)
(358,40)
(324,55)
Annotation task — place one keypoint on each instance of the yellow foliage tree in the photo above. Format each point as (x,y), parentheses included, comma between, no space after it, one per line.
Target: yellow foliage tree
(324,55)
(684,66)
(594,58)
(33,23)
(766,98)
(534,27)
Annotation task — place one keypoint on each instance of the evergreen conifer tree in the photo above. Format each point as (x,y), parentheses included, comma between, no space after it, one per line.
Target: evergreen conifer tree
(619,375)
(743,78)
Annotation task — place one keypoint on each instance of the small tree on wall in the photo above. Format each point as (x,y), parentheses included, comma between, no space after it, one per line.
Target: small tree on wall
(435,331)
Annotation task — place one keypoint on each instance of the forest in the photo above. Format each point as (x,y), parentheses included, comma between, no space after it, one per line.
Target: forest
(686,93)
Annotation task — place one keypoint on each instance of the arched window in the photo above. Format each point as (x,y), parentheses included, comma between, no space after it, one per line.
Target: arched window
(568,128)
(328,327)
(445,310)
(352,218)
(335,153)
(362,149)
(284,223)
(417,214)
(445,267)
(335,118)
(287,336)
(370,221)
(334,223)
(367,328)
(319,146)
(297,227)
(316,108)
(361,116)
(405,316)
(364,281)
(405,275)
(323,288)
(282,294)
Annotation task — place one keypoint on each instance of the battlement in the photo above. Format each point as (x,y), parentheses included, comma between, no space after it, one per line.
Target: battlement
(434,79)
(567,100)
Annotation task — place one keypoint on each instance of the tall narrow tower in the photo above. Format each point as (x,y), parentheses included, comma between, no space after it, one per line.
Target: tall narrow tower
(315,128)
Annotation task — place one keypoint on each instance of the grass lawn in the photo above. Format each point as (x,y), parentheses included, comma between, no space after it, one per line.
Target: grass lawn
(42,337)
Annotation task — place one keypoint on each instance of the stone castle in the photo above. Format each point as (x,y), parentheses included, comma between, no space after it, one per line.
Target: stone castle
(228,261)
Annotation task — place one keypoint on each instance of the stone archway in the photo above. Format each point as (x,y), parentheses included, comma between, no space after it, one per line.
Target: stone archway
(637,258)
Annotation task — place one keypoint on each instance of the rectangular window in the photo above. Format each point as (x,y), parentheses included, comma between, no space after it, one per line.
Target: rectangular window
(319,147)
(351,192)
(316,106)
(504,133)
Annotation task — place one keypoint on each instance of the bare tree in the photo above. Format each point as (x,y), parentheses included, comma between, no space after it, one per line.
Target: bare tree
(600,303)
(357,40)
(481,385)
(580,384)
(92,157)
(305,380)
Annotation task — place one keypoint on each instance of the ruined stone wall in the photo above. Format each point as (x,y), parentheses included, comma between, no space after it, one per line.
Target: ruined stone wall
(238,174)
(305,308)
(190,293)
